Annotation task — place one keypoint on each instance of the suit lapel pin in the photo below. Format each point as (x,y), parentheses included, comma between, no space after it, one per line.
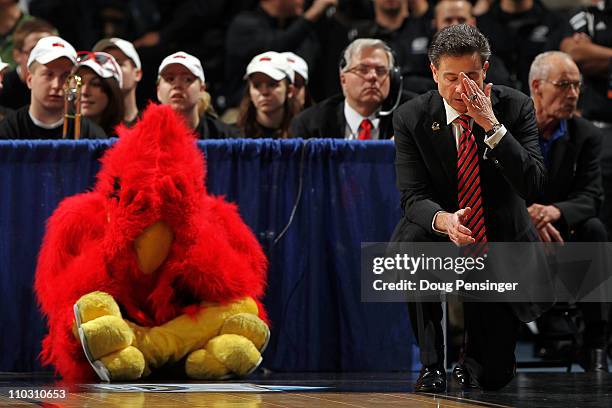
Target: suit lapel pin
(435,126)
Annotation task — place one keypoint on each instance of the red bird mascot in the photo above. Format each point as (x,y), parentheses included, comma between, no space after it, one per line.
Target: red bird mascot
(148,269)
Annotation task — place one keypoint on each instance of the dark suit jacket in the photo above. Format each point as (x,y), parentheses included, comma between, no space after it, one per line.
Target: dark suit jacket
(574,179)
(326,120)
(426,164)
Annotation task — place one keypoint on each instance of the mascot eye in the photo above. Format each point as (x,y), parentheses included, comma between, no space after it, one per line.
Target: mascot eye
(142,209)
(180,187)
(129,197)
(116,188)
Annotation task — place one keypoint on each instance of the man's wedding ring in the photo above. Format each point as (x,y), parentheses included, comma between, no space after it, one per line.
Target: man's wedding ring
(473,97)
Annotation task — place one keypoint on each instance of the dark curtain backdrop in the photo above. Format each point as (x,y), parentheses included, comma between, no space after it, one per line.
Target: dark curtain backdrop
(319,323)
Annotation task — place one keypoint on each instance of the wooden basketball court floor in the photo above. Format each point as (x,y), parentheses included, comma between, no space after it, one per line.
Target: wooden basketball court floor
(528,389)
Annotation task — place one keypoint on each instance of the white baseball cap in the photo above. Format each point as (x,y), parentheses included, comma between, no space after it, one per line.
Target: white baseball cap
(298,64)
(103,64)
(271,63)
(124,46)
(49,49)
(187,60)
(3,65)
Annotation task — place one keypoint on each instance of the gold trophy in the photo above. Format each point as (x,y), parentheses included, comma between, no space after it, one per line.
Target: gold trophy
(72,105)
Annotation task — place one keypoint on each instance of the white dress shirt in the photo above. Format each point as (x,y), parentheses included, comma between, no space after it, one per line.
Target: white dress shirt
(353,120)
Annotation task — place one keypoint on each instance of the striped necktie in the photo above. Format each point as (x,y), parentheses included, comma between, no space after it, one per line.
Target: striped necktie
(468,187)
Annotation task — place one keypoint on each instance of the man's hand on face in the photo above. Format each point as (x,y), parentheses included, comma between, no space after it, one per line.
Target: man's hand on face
(478,102)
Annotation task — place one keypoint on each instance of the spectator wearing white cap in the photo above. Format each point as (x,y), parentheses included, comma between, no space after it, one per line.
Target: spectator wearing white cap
(101,96)
(181,84)
(268,104)
(125,54)
(49,65)
(300,80)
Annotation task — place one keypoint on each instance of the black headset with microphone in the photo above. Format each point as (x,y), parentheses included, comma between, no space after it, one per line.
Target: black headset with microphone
(396,82)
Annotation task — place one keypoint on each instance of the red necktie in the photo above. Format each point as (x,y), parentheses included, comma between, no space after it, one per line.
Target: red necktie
(468,187)
(365,130)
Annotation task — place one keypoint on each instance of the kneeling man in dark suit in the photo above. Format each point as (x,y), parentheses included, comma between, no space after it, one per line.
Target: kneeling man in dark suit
(467,159)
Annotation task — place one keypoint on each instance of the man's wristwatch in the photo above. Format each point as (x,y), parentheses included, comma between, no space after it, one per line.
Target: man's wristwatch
(494,129)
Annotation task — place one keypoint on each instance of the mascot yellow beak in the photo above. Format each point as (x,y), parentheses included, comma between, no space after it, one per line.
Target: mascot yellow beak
(152,246)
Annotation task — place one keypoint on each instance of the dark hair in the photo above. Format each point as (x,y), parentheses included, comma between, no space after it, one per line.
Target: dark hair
(456,41)
(27,27)
(247,116)
(308,102)
(114,111)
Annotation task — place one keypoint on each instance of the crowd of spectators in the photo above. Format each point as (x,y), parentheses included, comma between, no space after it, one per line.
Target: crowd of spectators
(226,36)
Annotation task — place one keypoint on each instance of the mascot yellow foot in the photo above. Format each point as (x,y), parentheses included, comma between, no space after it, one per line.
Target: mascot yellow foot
(220,341)
(235,352)
(107,339)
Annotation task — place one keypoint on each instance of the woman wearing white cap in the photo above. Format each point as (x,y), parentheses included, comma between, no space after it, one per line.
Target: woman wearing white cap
(181,85)
(268,104)
(131,69)
(101,97)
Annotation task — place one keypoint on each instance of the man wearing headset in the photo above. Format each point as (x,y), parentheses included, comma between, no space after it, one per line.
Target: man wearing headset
(366,72)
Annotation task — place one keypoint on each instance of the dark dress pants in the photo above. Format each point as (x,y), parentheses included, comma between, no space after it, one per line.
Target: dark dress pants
(490,328)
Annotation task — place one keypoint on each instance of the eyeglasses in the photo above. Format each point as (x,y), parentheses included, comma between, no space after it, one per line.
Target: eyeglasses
(363,70)
(108,65)
(566,85)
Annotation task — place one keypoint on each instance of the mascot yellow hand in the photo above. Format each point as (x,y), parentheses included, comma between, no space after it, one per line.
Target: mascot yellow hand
(106,338)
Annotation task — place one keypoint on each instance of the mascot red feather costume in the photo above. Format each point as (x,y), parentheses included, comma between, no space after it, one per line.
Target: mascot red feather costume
(148,269)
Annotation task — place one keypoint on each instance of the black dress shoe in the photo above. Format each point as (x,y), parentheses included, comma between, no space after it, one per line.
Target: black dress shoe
(463,377)
(594,360)
(431,379)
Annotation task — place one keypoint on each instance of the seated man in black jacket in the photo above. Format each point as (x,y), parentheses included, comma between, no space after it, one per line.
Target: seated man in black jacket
(518,30)
(408,35)
(49,65)
(276,25)
(569,204)
(366,82)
